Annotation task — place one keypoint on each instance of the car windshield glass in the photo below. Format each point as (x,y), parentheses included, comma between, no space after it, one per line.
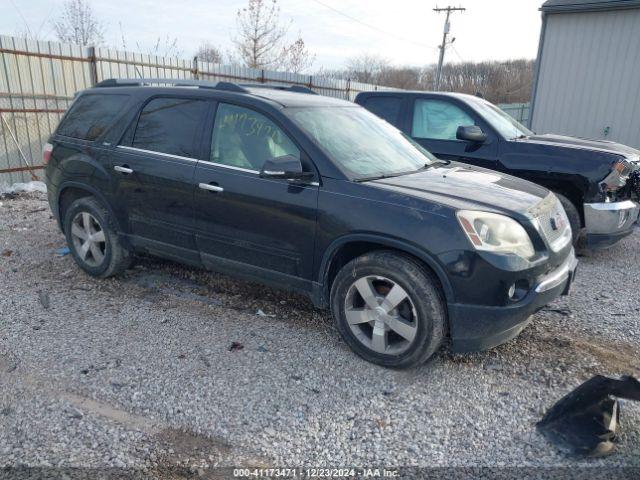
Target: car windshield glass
(359,142)
(505,124)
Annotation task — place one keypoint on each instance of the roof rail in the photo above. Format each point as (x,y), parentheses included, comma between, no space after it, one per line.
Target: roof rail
(288,88)
(175,82)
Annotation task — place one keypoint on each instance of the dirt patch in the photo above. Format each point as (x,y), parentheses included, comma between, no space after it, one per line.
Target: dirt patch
(613,356)
(187,454)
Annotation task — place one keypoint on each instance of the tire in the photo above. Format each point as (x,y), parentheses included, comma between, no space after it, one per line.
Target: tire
(573,215)
(423,310)
(105,256)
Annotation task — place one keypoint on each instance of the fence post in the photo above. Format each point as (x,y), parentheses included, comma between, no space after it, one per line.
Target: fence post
(310,81)
(262,76)
(348,88)
(194,68)
(93,67)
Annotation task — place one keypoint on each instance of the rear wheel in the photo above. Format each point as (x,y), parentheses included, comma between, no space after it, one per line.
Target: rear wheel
(388,308)
(92,239)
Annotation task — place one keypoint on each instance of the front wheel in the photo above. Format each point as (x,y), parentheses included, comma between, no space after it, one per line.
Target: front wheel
(389,309)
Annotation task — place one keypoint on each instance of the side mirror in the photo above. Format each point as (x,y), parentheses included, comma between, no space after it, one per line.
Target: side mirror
(471,133)
(286,167)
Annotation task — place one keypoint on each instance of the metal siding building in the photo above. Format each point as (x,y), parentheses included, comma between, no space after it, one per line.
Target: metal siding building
(587,79)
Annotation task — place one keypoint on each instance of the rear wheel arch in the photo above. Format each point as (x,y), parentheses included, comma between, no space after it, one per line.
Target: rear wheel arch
(70,192)
(343,250)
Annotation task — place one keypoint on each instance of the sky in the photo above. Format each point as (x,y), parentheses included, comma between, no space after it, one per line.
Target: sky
(405,32)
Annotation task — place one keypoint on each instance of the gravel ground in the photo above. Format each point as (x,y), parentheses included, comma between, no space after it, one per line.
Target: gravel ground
(142,371)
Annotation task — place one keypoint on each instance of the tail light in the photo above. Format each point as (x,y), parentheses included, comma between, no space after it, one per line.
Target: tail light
(46,153)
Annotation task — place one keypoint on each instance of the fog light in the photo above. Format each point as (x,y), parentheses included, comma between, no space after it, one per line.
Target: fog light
(518,290)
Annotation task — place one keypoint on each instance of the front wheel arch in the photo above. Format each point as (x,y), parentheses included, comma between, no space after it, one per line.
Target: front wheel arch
(367,242)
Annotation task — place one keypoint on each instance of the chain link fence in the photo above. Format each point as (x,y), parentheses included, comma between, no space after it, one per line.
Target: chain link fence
(38,81)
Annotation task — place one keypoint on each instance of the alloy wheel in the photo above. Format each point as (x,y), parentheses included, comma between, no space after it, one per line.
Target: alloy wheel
(88,239)
(381,314)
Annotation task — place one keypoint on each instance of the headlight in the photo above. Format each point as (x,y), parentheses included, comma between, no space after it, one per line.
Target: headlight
(496,233)
(618,176)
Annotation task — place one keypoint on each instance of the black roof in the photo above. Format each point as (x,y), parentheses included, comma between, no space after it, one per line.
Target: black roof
(561,6)
(276,95)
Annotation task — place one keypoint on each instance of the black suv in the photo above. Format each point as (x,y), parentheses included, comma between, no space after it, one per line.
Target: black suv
(598,182)
(311,194)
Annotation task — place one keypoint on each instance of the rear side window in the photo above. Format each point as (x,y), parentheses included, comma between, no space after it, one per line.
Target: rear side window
(171,125)
(387,108)
(91,115)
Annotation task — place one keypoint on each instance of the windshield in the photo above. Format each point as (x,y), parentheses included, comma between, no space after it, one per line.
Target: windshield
(360,142)
(506,125)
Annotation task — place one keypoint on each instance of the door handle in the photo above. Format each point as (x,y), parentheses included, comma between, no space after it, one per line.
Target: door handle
(120,169)
(211,188)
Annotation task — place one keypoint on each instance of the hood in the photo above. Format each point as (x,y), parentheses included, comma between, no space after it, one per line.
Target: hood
(604,146)
(465,187)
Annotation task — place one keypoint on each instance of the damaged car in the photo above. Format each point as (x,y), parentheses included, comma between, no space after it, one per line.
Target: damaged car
(597,181)
(310,194)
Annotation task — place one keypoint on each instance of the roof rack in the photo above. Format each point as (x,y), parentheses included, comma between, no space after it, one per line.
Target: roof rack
(179,82)
(288,88)
(175,82)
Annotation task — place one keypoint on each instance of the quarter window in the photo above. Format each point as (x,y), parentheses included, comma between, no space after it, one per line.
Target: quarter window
(438,119)
(91,115)
(387,108)
(171,125)
(246,139)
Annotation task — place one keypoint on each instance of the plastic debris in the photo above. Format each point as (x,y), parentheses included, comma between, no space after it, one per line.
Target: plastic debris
(260,313)
(584,421)
(63,251)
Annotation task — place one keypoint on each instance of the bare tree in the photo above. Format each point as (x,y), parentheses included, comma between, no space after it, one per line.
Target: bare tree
(261,40)
(164,47)
(297,57)
(366,67)
(78,24)
(260,35)
(208,52)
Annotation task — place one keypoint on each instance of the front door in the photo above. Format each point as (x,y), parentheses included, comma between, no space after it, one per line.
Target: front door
(262,228)
(154,169)
(434,126)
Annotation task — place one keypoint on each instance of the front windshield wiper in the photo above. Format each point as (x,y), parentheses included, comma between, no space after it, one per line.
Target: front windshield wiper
(391,175)
(520,137)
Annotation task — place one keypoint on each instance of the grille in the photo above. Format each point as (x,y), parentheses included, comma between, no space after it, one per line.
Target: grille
(547,213)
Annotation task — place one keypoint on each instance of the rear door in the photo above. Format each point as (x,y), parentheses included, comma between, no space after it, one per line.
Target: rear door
(262,228)
(434,123)
(154,168)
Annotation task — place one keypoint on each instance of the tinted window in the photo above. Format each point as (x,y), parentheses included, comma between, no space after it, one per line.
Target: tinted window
(246,139)
(171,125)
(91,115)
(387,108)
(438,119)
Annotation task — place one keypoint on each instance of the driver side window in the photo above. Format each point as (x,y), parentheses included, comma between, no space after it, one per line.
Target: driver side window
(244,138)
(438,119)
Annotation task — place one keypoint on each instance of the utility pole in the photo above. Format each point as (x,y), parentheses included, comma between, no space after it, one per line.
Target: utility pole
(444,39)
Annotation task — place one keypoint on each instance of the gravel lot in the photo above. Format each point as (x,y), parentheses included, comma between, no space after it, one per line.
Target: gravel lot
(140,371)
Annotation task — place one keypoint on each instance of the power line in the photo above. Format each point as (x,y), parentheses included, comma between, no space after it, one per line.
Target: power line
(373,27)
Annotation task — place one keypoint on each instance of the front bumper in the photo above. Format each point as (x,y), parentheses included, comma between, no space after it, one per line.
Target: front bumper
(607,223)
(479,327)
